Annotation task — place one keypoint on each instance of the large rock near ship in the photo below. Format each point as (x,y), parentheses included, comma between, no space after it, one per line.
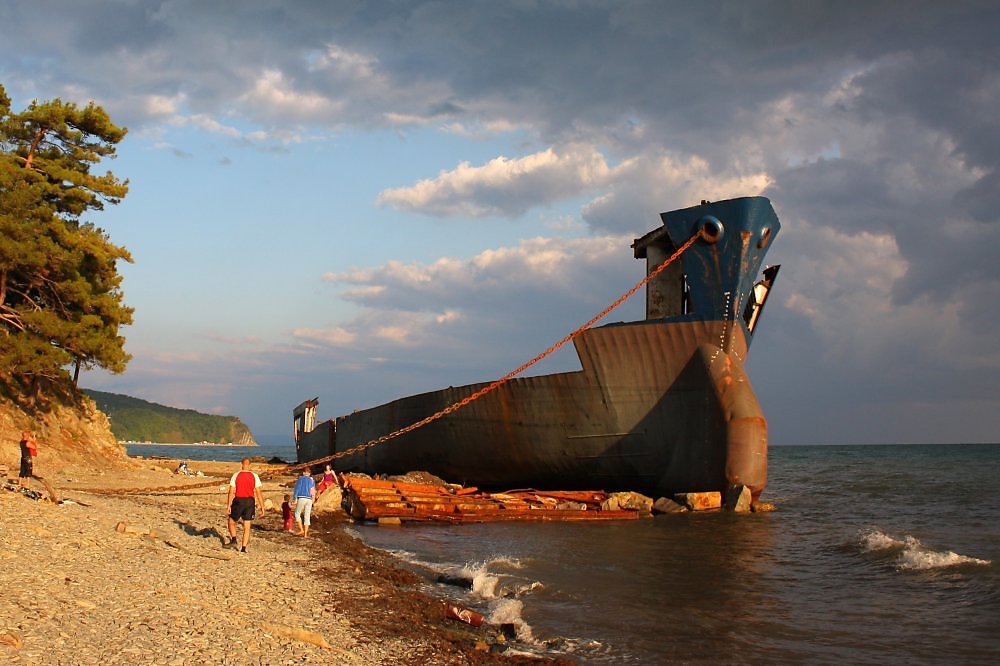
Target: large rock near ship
(329,500)
(628,501)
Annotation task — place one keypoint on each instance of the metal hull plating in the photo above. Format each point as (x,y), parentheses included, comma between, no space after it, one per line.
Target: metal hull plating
(660,406)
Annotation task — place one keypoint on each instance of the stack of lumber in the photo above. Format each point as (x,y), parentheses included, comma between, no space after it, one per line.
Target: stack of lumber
(373,499)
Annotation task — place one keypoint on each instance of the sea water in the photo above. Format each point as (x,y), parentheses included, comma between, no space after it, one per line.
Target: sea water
(875,555)
(285,452)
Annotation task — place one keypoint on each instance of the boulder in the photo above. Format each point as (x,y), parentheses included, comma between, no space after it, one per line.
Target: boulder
(738,499)
(667,505)
(700,501)
(628,501)
(328,500)
(762,507)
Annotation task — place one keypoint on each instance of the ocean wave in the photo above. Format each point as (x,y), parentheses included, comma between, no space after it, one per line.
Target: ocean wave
(490,584)
(910,554)
(509,611)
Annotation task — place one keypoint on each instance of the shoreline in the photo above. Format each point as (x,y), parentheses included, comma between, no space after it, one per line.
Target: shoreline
(198,444)
(163,590)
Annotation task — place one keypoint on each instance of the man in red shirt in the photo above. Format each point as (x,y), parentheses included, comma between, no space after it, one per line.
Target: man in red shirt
(244,496)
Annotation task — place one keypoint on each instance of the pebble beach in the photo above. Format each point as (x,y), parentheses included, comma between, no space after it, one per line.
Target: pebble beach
(107,575)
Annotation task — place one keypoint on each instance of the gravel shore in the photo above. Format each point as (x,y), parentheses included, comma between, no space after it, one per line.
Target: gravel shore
(111,577)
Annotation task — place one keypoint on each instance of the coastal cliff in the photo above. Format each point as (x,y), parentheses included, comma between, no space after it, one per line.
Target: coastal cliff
(71,432)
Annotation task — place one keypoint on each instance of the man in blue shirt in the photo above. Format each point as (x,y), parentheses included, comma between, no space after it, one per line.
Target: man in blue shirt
(303,495)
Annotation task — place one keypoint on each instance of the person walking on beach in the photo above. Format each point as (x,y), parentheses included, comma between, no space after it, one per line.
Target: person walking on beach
(304,494)
(244,496)
(29,450)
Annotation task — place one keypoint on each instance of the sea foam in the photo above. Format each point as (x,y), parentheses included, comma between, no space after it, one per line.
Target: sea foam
(910,554)
(490,584)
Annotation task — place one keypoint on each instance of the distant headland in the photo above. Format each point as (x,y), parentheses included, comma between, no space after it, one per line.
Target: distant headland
(136,421)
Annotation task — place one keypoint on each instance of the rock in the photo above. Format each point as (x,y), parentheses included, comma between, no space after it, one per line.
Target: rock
(425,478)
(389,520)
(628,501)
(457,581)
(268,504)
(738,499)
(138,530)
(304,635)
(762,507)
(667,505)
(571,506)
(700,501)
(329,500)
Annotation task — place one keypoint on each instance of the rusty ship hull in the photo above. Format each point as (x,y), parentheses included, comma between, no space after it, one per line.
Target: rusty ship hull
(659,406)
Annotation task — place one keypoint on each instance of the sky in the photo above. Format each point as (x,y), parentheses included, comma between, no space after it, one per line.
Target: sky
(358,201)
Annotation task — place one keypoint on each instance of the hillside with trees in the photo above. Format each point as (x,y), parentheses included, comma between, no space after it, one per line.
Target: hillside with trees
(61,304)
(135,420)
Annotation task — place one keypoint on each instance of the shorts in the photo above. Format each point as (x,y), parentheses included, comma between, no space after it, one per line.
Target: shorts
(243,508)
(303,509)
(27,468)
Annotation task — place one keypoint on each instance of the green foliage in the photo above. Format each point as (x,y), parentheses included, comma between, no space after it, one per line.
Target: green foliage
(135,420)
(60,291)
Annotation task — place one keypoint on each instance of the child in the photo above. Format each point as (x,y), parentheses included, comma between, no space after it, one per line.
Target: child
(286,513)
(329,479)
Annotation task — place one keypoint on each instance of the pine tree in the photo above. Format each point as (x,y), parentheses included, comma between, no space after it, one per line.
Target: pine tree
(61,302)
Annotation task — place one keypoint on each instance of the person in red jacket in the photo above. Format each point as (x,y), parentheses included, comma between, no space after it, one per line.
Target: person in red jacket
(244,497)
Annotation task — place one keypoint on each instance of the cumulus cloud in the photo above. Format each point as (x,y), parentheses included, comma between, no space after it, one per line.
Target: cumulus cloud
(336,336)
(654,182)
(504,187)
(461,320)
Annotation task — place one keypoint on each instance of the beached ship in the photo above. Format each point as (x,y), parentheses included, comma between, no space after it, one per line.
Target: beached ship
(660,406)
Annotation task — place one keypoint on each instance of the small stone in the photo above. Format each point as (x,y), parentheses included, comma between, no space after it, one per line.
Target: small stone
(667,505)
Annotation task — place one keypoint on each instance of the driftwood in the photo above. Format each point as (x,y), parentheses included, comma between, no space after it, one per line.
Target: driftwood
(48,488)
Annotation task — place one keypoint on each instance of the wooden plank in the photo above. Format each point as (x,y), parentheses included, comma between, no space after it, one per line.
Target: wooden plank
(420,502)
